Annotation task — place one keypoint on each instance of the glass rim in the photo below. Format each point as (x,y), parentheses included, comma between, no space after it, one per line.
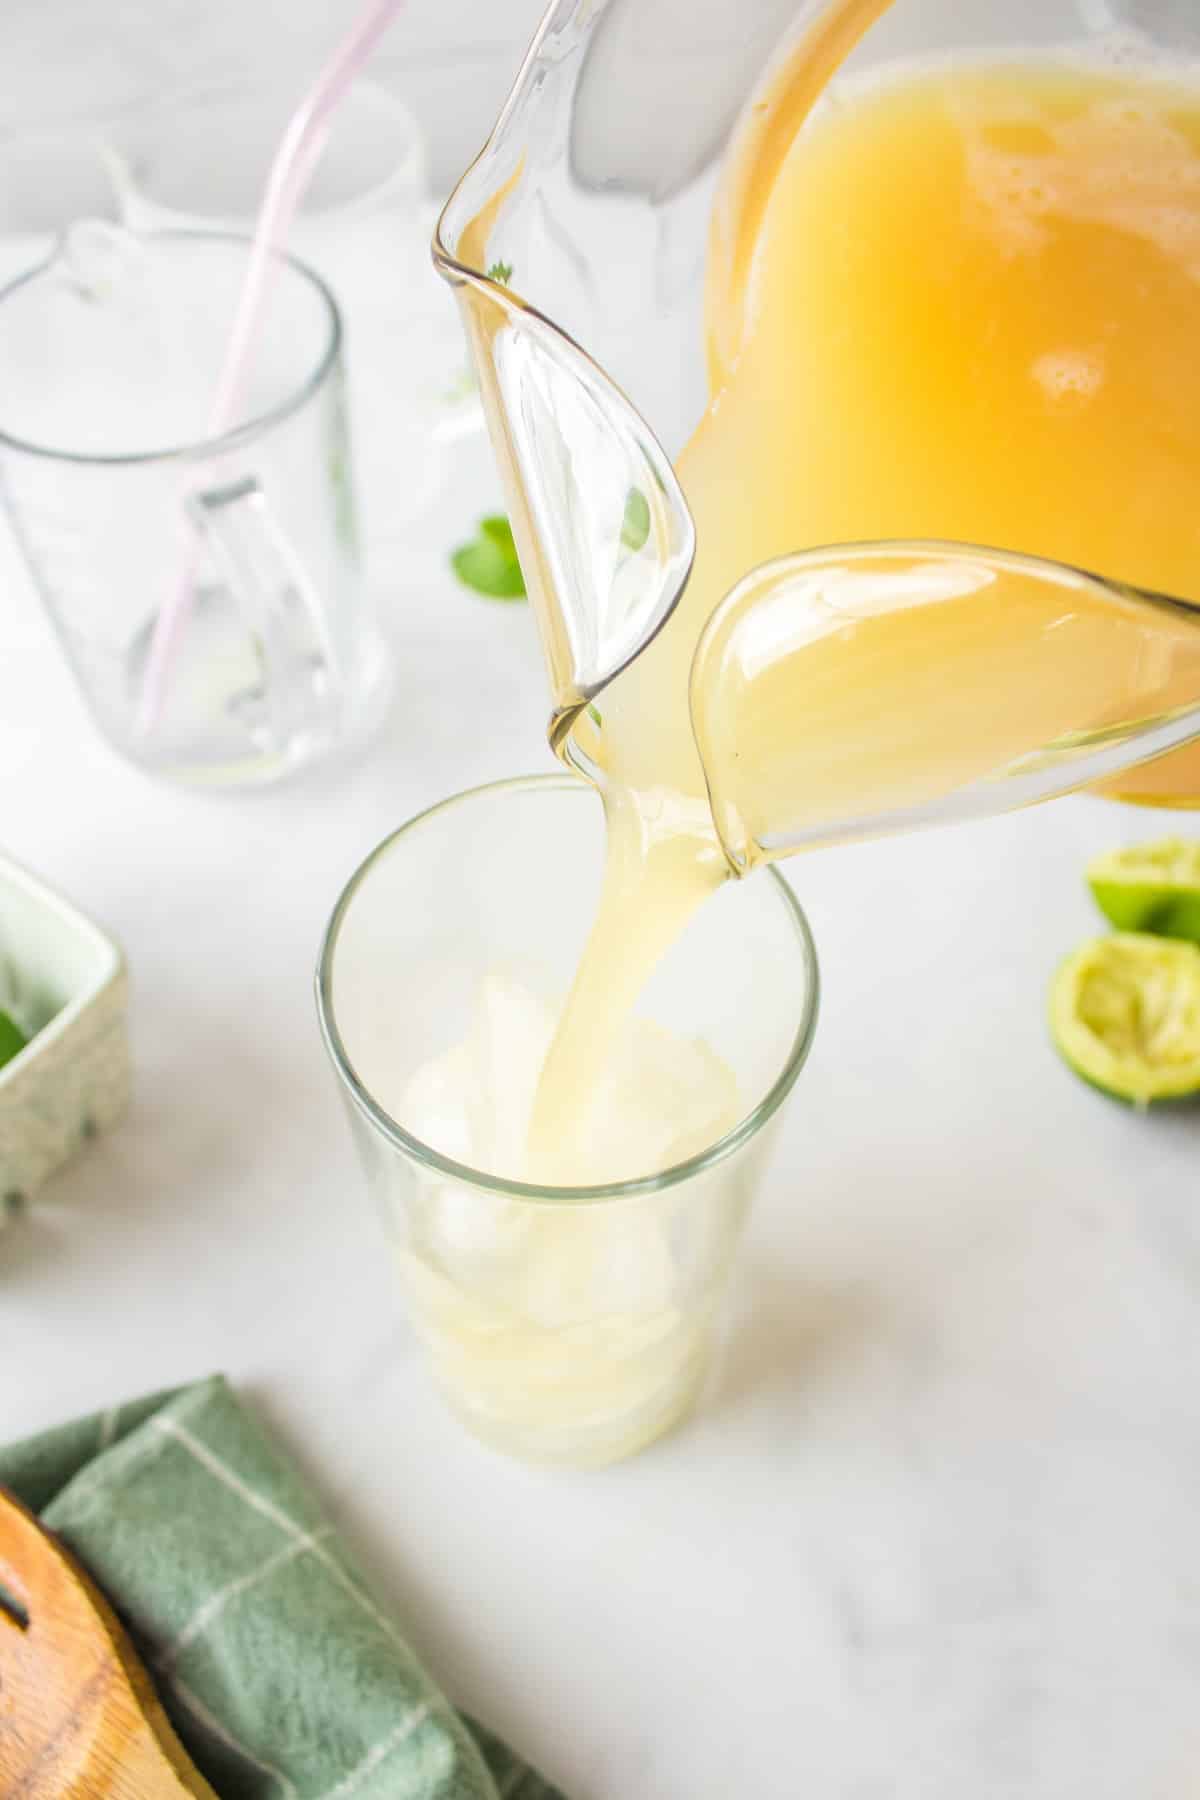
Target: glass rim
(242,91)
(201,449)
(536,1193)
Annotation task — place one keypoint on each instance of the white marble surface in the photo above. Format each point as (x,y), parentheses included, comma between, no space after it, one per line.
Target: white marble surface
(937,1531)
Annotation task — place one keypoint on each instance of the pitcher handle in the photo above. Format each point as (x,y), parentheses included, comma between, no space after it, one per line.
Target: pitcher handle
(271,589)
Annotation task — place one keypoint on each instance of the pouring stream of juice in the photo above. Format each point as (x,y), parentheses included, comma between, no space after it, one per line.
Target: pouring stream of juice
(961,305)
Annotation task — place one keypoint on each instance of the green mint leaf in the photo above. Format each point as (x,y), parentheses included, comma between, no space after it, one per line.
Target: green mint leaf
(635,526)
(500,271)
(481,567)
(497,530)
(489,564)
(12,1038)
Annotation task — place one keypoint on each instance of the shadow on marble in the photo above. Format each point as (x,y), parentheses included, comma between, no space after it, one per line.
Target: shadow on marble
(789,1334)
(40,1232)
(126,1195)
(29,1243)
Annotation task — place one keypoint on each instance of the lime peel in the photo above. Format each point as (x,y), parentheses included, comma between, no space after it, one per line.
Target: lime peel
(1125,1014)
(1150,888)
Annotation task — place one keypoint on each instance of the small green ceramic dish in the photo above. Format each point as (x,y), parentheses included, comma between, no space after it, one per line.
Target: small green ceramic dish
(65,983)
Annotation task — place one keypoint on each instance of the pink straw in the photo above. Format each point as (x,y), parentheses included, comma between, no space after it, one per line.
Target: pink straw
(294,161)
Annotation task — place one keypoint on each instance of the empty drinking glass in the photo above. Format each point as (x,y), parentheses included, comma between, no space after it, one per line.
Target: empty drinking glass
(48,180)
(122,502)
(362,224)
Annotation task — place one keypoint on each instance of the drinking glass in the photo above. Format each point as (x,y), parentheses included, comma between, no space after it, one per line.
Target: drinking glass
(48,180)
(109,359)
(578,245)
(362,225)
(566,1324)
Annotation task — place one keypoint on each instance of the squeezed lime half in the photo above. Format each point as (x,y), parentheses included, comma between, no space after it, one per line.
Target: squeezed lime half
(1154,887)
(1125,1014)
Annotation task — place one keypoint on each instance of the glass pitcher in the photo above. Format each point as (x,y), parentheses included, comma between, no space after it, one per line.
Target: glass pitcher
(580,243)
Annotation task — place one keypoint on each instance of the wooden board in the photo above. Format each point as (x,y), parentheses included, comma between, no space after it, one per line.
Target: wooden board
(79,1719)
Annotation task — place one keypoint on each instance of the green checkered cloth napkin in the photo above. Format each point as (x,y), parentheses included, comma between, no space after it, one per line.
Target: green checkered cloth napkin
(282,1676)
